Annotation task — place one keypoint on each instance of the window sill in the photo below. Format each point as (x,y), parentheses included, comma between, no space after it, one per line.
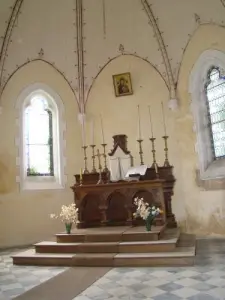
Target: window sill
(41,183)
(216,170)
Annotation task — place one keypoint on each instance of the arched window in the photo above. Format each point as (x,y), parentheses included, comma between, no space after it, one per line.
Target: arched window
(215,93)
(41,144)
(39,138)
(207,89)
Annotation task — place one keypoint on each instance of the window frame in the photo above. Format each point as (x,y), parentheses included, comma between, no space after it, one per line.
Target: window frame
(209,168)
(58,127)
(208,108)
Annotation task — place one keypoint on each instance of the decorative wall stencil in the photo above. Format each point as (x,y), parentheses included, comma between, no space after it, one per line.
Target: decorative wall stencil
(121,48)
(162,48)
(36,59)
(7,38)
(197,19)
(41,53)
(122,84)
(80,54)
(223,2)
(104,19)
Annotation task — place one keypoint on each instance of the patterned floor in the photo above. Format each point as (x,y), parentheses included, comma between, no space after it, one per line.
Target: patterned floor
(204,281)
(15,280)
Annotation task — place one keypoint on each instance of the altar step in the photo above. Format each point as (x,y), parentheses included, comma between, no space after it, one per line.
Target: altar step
(167,243)
(180,256)
(171,250)
(112,234)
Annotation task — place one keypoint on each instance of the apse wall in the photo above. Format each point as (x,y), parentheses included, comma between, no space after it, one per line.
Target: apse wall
(24,215)
(204,206)
(120,114)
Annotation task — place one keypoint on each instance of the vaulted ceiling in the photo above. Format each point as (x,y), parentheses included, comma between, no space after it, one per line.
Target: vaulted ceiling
(47,29)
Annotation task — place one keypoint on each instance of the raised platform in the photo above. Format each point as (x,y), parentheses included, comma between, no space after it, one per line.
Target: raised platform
(114,247)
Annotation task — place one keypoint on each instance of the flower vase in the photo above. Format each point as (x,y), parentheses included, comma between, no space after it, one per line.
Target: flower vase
(68,227)
(148,223)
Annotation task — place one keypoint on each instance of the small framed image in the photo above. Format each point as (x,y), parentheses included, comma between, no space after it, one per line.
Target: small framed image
(122,84)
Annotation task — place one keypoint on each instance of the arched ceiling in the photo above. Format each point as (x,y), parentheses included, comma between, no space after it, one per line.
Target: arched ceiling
(47,29)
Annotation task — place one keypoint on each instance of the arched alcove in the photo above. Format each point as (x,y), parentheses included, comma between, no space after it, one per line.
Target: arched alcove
(120,114)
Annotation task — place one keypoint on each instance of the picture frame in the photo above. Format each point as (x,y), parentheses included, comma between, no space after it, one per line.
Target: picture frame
(122,84)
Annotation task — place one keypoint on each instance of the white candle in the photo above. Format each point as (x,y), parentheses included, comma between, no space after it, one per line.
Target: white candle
(139,124)
(164,123)
(150,119)
(103,137)
(83,131)
(92,133)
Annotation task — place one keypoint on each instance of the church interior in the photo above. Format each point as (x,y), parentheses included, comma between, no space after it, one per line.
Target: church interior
(104,103)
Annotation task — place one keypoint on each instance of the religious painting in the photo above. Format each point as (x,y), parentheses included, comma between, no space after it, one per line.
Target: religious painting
(122,84)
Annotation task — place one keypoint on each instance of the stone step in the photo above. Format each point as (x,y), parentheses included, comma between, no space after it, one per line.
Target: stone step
(31,258)
(127,234)
(168,243)
(183,256)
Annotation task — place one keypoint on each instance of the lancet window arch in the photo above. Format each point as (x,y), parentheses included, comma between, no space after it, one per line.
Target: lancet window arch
(41,144)
(215,96)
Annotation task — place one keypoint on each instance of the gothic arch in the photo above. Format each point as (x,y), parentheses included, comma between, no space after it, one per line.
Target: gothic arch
(112,60)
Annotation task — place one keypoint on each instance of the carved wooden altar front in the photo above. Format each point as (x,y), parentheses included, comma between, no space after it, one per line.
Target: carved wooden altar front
(113,203)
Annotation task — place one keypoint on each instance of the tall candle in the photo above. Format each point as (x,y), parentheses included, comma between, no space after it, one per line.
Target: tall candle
(83,131)
(164,123)
(103,137)
(92,133)
(139,124)
(150,119)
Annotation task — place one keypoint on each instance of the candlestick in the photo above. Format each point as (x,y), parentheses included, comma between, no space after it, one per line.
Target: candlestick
(100,181)
(83,131)
(103,137)
(85,160)
(154,163)
(81,178)
(153,151)
(140,151)
(106,170)
(164,123)
(166,162)
(150,119)
(139,124)
(93,159)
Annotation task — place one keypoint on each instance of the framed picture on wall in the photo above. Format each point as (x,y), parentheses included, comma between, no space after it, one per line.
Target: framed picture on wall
(122,84)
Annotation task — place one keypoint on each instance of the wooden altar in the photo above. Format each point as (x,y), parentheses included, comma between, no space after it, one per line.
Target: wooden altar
(112,203)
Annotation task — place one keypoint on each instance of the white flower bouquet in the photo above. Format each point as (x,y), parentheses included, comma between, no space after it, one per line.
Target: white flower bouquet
(146,212)
(68,215)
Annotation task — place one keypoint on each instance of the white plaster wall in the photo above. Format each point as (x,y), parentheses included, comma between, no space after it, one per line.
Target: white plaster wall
(51,25)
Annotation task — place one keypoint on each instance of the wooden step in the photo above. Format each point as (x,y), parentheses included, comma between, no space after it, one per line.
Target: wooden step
(168,243)
(31,258)
(183,257)
(100,235)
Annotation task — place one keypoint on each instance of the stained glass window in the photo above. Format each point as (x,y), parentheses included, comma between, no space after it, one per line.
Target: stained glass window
(215,91)
(39,138)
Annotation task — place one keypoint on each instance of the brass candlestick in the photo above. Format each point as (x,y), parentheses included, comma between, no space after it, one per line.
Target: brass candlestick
(152,139)
(106,170)
(100,181)
(85,160)
(154,163)
(166,162)
(93,159)
(140,151)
